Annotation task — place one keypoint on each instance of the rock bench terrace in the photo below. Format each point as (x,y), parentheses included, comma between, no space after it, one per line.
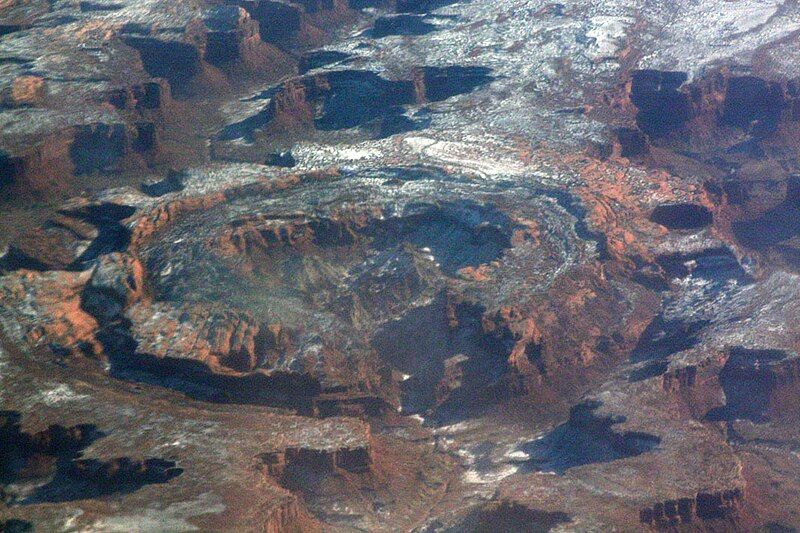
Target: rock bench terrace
(399,265)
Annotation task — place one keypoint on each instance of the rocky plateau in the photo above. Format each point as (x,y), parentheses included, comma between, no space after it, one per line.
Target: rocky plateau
(399,265)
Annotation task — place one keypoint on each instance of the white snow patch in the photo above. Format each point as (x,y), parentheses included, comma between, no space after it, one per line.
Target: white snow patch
(454,428)
(492,476)
(729,29)
(608,34)
(60,394)
(518,455)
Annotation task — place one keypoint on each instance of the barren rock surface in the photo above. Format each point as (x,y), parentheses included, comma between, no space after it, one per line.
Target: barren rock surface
(407,265)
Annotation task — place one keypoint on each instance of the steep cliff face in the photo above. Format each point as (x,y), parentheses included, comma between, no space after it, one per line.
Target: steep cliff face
(719,508)
(288,464)
(195,54)
(385,273)
(290,517)
(666,104)
(470,266)
(737,128)
(343,104)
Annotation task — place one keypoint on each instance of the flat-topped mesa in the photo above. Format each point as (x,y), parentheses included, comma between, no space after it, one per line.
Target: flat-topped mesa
(737,127)
(719,507)
(54,455)
(231,40)
(224,36)
(726,117)
(298,25)
(127,121)
(87,478)
(694,387)
(292,466)
(117,128)
(279,23)
(38,454)
(230,35)
(349,459)
(665,103)
(347,466)
(338,100)
(55,440)
(434,84)
(344,99)
(47,165)
(291,463)
(760,385)
(149,97)
(737,383)
(79,233)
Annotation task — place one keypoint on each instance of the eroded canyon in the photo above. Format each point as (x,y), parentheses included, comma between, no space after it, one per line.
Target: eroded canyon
(399,265)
